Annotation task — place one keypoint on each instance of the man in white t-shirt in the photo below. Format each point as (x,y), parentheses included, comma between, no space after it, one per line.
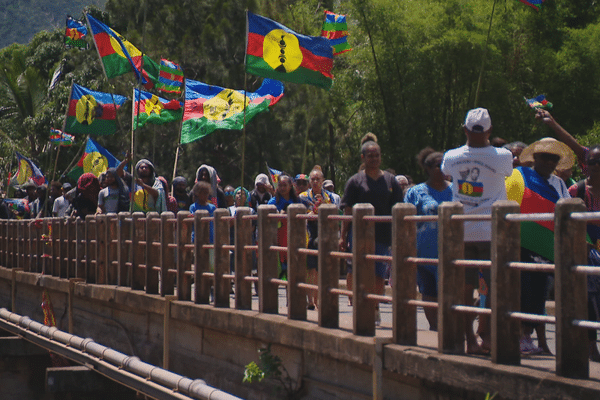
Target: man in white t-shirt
(478,171)
(62,203)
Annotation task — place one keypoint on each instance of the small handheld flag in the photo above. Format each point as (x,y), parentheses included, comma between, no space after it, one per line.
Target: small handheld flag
(91,112)
(335,29)
(170,79)
(539,102)
(274,174)
(59,137)
(277,52)
(75,34)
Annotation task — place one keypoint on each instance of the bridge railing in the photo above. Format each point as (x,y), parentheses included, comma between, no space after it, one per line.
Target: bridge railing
(157,254)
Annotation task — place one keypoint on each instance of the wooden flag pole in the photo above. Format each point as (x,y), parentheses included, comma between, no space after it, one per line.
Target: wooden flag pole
(475,104)
(55,162)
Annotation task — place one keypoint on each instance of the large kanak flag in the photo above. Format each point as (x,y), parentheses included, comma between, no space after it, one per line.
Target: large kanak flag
(277,52)
(208,108)
(92,112)
(119,56)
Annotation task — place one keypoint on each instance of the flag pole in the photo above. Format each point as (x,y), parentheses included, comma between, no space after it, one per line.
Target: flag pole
(77,157)
(178,143)
(244,131)
(485,49)
(55,163)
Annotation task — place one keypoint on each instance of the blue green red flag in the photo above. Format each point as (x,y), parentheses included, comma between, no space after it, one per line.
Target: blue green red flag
(27,170)
(539,102)
(171,77)
(208,108)
(277,52)
(119,56)
(535,4)
(335,29)
(154,109)
(96,159)
(274,174)
(59,137)
(91,112)
(75,34)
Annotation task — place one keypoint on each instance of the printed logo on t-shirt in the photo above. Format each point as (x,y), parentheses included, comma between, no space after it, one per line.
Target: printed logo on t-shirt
(472,189)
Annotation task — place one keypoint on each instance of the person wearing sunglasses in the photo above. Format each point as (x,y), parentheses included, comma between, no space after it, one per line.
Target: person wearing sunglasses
(588,190)
(537,190)
(229,199)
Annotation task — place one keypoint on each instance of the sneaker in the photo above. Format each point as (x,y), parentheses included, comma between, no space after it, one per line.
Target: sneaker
(527,346)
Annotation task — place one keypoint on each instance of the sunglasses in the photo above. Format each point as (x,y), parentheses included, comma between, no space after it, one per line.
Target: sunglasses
(228,193)
(593,161)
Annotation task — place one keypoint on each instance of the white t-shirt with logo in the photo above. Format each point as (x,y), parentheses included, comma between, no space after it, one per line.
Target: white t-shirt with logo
(478,175)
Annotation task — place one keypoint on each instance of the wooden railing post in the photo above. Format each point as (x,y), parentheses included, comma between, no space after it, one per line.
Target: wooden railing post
(71,247)
(138,251)
(451,279)
(56,246)
(363,270)
(152,251)
(201,258)
(12,248)
(329,267)
(243,259)
(112,249)
(404,275)
(268,293)
(91,249)
(167,254)
(506,284)
(184,259)
(222,261)
(570,249)
(27,248)
(296,231)
(80,248)
(102,255)
(63,247)
(124,250)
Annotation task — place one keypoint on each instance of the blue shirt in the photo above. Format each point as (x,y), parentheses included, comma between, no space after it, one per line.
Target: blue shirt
(211,209)
(427,200)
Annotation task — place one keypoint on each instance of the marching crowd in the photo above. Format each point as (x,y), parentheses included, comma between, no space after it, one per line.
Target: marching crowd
(477,174)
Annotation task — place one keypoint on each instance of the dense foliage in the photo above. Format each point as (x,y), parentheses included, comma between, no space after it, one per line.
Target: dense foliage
(410,79)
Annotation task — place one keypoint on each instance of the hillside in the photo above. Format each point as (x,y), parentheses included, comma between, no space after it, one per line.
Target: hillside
(21,19)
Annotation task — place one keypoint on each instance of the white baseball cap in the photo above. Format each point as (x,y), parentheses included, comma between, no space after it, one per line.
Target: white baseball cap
(478,120)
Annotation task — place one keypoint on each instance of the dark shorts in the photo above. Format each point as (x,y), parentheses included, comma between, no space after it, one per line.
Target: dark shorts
(478,251)
(381,267)
(427,280)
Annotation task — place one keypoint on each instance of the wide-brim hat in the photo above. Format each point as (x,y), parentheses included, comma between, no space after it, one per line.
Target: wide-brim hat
(551,146)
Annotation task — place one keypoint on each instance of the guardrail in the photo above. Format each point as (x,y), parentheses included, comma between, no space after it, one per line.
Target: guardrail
(155,253)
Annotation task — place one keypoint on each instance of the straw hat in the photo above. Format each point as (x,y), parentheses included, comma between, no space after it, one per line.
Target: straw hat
(552,146)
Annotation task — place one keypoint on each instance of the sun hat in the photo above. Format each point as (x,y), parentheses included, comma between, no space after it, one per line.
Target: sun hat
(478,120)
(551,146)
(261,178)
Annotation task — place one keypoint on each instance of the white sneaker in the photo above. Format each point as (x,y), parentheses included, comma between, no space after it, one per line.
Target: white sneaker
(527,346)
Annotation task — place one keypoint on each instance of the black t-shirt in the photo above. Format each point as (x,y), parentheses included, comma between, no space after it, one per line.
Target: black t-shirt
(255,199)
(4,211)
(382,194)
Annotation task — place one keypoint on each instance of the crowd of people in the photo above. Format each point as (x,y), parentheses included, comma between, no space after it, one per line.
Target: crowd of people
(476,174)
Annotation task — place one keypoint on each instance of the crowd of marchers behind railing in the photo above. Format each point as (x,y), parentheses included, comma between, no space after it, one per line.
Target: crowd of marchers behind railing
(476,174)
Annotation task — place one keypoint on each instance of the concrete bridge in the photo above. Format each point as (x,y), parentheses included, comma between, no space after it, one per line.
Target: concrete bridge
(137,284)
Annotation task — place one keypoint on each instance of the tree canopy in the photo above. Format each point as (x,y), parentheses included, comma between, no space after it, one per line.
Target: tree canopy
(410,79)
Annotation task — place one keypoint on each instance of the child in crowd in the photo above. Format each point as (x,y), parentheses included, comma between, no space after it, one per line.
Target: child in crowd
(201,192)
